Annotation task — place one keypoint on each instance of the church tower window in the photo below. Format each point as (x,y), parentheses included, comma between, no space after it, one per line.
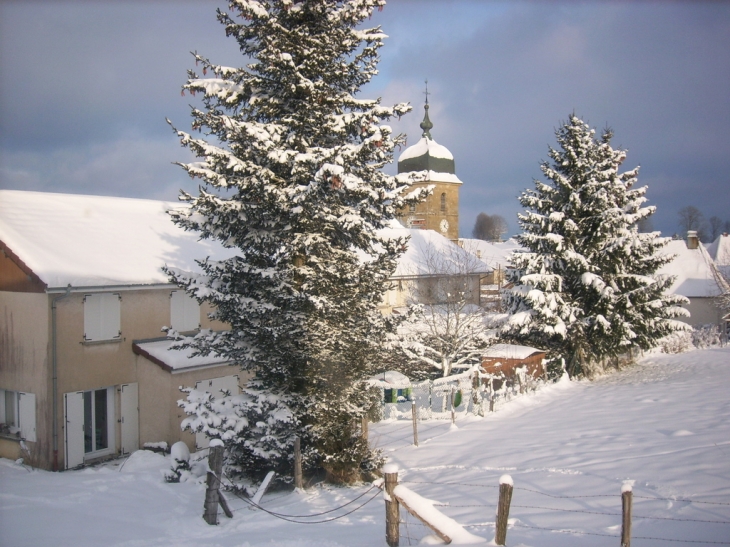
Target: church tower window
(443,202)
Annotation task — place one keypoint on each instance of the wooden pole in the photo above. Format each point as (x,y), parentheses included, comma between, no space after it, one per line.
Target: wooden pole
(215,464)
(414,414)
(505,498)
(626,499)
(365,428)
(298,464)
(392,510)
(224,505)
(453,417)
(491,395)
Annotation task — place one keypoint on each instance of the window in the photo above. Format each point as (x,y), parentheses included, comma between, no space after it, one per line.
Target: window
(184,312)
(17,413)
(96,420)
(443,202)
(412,207)
(102,317)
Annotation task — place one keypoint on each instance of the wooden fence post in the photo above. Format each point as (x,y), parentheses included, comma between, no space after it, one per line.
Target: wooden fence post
(626,500)
(213,482)
(491,395)
(392,509)
(414,414)
(505,498)
(453,417)
(298,464)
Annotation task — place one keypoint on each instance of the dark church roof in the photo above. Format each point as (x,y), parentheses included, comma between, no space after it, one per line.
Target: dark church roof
(426,154)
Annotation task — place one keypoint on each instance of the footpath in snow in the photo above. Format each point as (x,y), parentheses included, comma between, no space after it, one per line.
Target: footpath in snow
(663,425)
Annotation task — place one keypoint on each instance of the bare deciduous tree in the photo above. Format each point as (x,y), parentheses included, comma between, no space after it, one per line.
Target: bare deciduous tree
(691,218)
(716,226)
(489,227)
(448,325)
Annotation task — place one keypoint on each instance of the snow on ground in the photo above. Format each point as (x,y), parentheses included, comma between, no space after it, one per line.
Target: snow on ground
(664,424)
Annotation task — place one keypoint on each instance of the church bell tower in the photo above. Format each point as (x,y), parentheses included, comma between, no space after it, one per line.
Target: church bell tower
(440,210)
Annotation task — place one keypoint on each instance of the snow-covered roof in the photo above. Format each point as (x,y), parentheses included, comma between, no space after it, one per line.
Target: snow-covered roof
(431,176)
(392,377)
(493,254)
(98,240)
(430,253)
(175,360)
(719,251)
(509,351)
(426,146)
(693,269)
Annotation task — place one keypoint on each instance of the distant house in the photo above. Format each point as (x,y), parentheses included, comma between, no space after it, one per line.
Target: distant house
(430,267)
(495,256)
(85,371)
(697,278)
(719,251)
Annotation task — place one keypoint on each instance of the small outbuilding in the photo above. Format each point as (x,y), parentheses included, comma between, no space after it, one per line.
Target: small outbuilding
(505,358)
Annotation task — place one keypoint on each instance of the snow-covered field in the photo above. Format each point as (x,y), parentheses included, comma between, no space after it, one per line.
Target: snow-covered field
(664,424)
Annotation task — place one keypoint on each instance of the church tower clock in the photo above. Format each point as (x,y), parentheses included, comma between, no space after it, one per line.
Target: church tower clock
(440,210)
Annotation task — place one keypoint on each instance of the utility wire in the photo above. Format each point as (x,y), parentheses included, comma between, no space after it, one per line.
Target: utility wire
(275,515)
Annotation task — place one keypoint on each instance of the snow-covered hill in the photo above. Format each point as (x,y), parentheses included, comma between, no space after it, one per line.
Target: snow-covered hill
(664,424)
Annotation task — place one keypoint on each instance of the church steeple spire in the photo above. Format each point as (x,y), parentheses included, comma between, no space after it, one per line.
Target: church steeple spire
(426,124)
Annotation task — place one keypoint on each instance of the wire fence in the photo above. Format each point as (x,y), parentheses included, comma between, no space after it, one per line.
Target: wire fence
(469,393)
(522,515)
(684,520)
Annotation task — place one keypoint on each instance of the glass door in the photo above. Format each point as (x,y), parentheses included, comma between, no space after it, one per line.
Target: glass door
(98,421)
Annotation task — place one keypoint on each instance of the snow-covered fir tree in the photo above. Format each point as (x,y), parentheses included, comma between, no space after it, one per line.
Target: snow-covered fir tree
(586,287)
(290,176)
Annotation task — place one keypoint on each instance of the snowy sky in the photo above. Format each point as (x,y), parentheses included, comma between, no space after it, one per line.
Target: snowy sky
(85,88)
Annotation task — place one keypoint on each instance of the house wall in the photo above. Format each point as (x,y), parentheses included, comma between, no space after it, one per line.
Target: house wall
(86,366)
(24,362)
(15,276)
(159,392)
(703,311)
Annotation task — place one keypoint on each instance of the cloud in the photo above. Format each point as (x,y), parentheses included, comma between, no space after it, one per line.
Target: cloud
(131,167)
(85,87)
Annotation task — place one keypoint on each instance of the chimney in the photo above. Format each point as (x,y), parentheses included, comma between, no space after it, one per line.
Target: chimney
(693,241)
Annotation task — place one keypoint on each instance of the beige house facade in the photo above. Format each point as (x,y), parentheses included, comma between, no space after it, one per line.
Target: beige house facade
(77,382)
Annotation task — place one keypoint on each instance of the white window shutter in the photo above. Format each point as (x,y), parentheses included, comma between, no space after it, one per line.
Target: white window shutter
(102,316)
(92,317)
(192,313)
(26,416)
(110,316)
(184,312)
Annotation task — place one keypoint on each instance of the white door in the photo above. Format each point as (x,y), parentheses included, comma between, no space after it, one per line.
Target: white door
(215,386)
(130,418)
(74,428)
(26,416)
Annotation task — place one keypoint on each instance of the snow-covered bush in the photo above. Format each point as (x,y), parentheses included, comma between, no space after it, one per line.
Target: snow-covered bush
(256,427)
(180,466)
(706,336)
(678,342)
(701,338)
